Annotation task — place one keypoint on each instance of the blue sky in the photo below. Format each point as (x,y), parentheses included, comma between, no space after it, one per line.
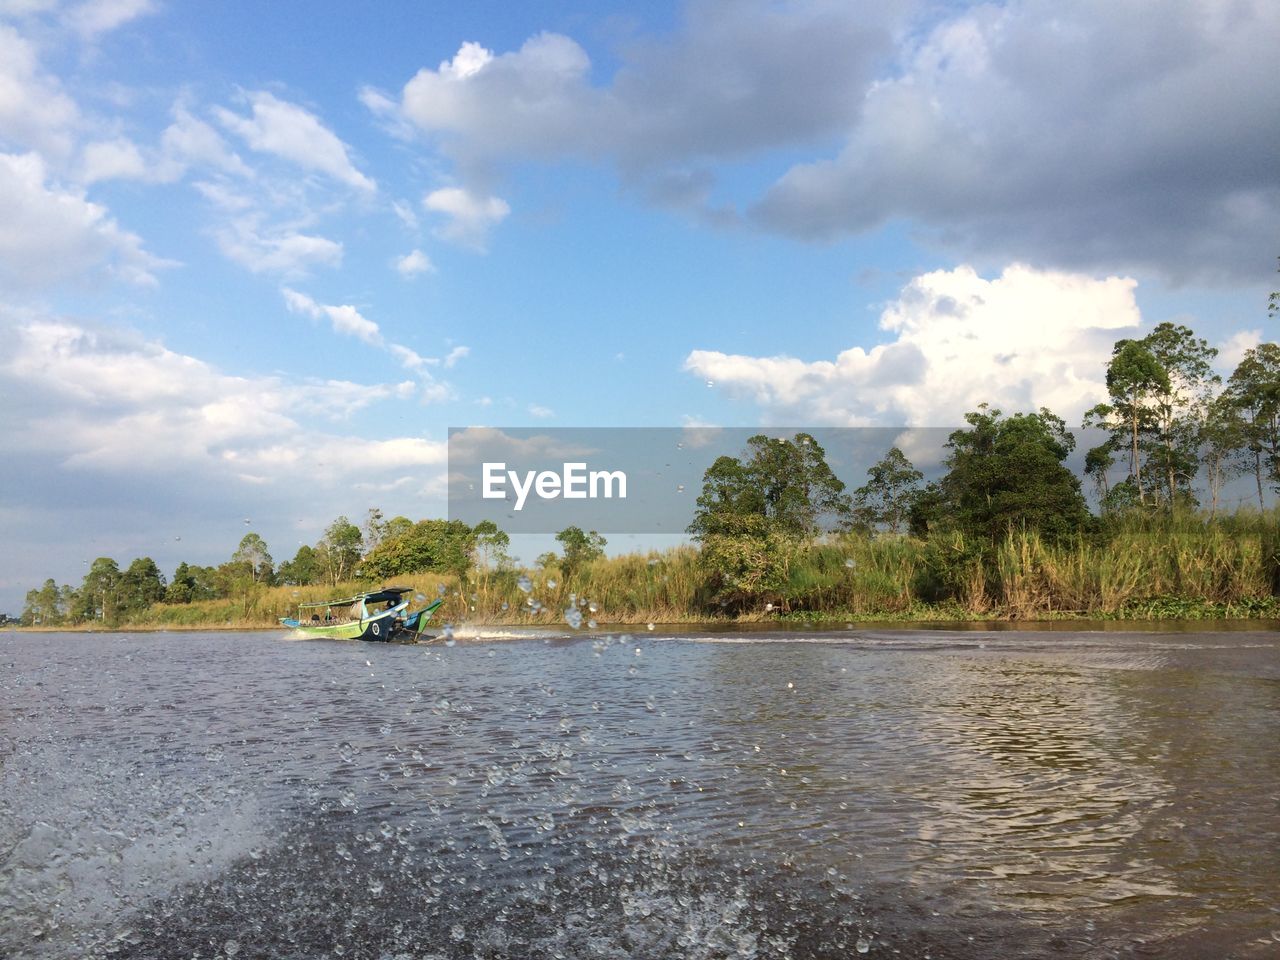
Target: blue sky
(255,260)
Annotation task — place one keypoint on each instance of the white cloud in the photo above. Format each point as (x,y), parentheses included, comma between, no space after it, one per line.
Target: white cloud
(50,236)
(108,401)
(1023,340)
(34,111)
(118,159)
(287,130)
(541,412)
(100,16)
(276,250)
(456,354)
(189,140)
(1233,349)
(345,319)
(471,216)
(413,264)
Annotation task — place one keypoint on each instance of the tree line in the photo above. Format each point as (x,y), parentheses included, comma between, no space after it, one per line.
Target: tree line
(379,551)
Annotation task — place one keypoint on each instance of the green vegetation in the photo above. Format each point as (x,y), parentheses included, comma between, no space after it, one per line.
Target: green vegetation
(1005,532)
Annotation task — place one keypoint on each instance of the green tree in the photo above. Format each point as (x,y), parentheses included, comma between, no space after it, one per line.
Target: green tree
(885,499)
(436,545)
(1181,408)
(1134,378)
(302,570)
(338,552)
(1005,474)
(44,606)
(141,585)
(254,554)
(786,483)
(1224,446)
(98,592)
(1254,389)
(580,548)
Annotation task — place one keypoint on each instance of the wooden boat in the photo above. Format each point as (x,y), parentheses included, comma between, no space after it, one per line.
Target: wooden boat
(380,616)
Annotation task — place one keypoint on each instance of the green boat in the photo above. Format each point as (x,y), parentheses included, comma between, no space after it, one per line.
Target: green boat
(381,616)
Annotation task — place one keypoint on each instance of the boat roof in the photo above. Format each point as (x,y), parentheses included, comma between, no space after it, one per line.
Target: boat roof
(377,596)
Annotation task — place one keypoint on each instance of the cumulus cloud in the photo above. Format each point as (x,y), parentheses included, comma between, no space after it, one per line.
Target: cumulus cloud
(413,264)
(1130,136)
(1097,137)
(111,400)
(1026,339)
(35,113)
(286,130)
(470,215)
(49,235)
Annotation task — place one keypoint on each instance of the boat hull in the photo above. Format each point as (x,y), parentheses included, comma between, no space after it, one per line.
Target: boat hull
(386,627)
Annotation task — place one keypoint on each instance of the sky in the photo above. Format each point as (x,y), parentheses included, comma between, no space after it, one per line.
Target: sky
(257,259)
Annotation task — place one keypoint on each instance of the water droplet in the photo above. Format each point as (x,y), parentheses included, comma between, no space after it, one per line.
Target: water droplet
(649,626)
(551,584)
(592,608)
(851,563)
(862,946)
(679,488)
(711,383)
(591,624)
(441,589)
(231,947)
(573,617)
(420,597)
(505,605)
(457,933)
(347,752)
(524,583)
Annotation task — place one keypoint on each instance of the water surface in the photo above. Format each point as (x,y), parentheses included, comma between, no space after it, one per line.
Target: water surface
(804,794)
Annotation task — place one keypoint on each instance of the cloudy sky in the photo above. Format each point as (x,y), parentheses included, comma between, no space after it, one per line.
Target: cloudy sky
(256,259)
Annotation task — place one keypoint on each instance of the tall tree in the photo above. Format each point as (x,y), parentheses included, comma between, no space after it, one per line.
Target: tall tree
(339,550)
(141,585)
(253,552)
(782,485)
(98,592)
(1008,473)
(580,548)
(885,499)
(1181,406)
(1224,447)
(302,570)
(1254,389)
(1134,378)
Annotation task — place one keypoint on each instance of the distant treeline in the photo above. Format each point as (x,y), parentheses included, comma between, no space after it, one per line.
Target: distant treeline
(1006,531)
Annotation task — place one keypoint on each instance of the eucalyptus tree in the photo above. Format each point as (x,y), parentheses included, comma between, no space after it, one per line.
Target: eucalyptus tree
(1254,389)
(1181,406)
(892,484)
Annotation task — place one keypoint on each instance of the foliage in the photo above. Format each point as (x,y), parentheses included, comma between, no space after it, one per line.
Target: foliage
(885,499)
(1007,474)
(338,552)
(253,553)
(787,483)
(302,570)
(440,545)
(580,548)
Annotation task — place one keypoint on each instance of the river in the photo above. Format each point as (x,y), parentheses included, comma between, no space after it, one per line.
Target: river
(704,794)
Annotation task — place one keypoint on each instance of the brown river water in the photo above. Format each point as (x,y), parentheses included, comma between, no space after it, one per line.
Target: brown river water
(673,793)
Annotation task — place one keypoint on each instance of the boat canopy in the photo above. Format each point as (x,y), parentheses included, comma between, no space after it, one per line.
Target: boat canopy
(378,596)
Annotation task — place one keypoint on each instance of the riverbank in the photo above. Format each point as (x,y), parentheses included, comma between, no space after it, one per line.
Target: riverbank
(1227,570)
